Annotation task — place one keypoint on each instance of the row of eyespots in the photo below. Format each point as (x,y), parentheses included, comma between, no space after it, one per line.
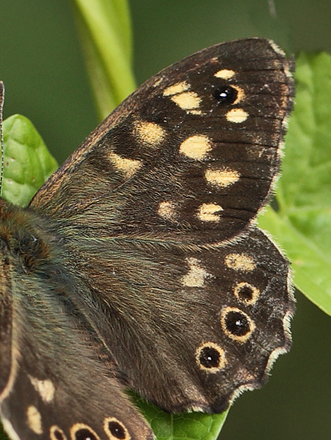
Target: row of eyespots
(114,429)
(238,326)
(235,323)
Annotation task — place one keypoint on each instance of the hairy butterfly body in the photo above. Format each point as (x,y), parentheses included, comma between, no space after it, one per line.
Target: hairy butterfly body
(137,265)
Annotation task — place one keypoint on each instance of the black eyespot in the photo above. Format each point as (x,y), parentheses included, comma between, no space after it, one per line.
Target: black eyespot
(58,434)
(84,434)
(237,323)
(209,357)
(246,292)
(116,430)
(225,94)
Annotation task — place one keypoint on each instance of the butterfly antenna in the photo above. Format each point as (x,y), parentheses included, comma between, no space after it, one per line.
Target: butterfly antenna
(2,99)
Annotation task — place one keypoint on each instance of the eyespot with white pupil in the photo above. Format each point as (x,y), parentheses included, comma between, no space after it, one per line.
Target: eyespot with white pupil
(225,94)
(80,431)
(84,434)
(236,324)
(210,357)
(115,430)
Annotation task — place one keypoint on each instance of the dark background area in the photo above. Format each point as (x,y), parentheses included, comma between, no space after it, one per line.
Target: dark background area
(43,70)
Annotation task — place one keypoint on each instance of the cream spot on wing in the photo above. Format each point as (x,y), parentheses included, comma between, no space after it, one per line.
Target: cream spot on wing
(149,132)
(128,167)
(222,178)
(176,88)
(34,420)
(209,212)
(187,100)
(236,115)
(195,147)
(240,94)
(196,275)
(243,262)
(45,388)
(167,210)
(157,82)
(196,112)
(225,74)
(210,357)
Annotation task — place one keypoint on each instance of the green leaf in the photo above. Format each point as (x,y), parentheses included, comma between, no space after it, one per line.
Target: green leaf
(105,31)
(190,426)
(27,162)
(302,225)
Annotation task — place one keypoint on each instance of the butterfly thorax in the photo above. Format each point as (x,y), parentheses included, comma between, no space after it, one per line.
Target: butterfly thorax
(24,241)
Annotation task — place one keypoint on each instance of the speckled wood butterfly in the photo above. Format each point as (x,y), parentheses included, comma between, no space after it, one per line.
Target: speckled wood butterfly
(138,265)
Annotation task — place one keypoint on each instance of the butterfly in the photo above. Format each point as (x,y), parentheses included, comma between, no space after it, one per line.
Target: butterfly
(138,265)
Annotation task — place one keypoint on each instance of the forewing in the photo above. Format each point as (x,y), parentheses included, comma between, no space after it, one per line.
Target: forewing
(190,156)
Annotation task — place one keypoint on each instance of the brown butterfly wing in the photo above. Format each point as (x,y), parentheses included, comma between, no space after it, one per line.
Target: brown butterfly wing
(57,380)
(154,211)
(190,156)
(164,310)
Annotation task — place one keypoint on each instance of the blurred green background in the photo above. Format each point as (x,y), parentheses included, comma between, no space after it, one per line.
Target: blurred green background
(44,73)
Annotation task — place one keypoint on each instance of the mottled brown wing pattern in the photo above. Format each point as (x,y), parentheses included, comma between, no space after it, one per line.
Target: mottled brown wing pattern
(63,384)
(137,264)
(191,156)
(189,326)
